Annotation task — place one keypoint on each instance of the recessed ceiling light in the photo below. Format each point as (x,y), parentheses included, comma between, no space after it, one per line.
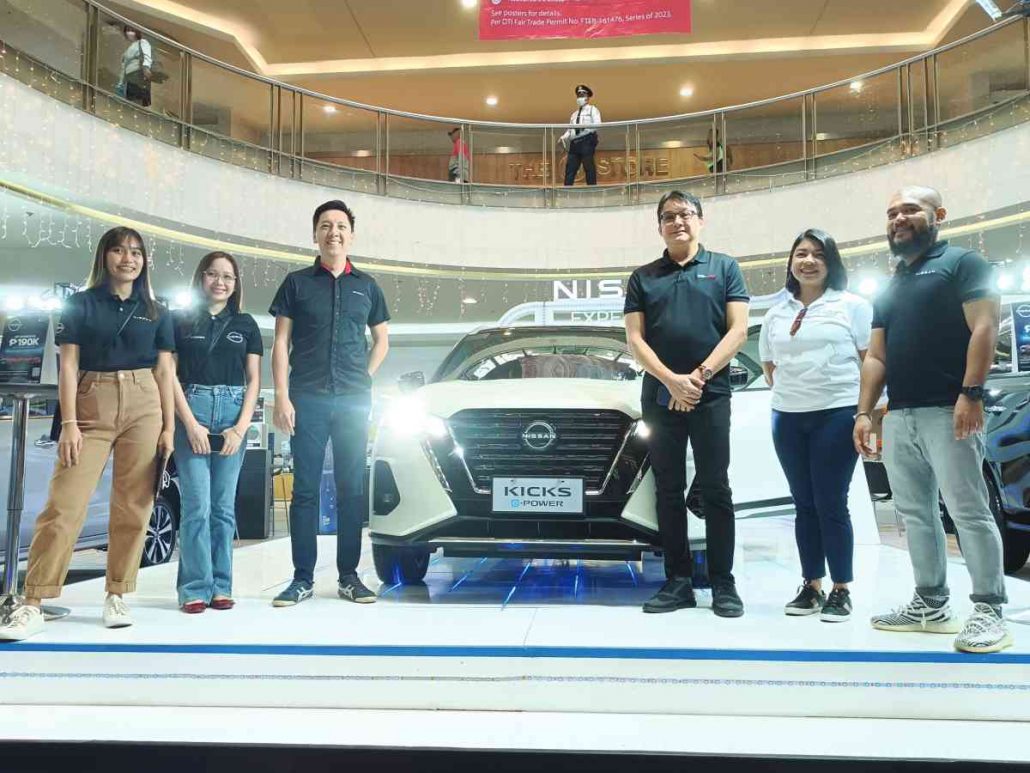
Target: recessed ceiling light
(362,153)
(687,91)
(672,144)
(856,86)
(469,3)
(491,100)
(469,301)
(504,149)
(329,108)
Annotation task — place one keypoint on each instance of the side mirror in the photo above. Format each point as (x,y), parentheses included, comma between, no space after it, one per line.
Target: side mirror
(740,377)
(409,382)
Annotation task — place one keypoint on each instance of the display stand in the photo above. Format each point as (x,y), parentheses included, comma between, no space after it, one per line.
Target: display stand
(19,394)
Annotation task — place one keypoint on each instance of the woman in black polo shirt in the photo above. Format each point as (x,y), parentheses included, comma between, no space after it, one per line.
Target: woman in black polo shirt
(115,389)
(219,366)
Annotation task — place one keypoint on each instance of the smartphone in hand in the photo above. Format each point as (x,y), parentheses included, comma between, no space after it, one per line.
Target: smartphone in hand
(217,443)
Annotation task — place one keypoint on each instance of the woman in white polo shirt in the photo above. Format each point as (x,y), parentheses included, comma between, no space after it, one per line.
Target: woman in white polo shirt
(811,346)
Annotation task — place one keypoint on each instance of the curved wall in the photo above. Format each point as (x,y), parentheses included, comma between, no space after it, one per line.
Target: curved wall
(51,146)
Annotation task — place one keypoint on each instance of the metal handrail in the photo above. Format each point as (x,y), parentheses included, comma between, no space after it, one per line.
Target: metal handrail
(632,184)
(508,125)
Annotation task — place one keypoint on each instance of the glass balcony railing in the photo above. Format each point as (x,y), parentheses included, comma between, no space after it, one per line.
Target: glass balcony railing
(73,50)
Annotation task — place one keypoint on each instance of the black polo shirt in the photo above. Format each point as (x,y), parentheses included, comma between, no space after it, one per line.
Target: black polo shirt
(215,361)
(684,311)
(328,352)
(92,318)
(920,312)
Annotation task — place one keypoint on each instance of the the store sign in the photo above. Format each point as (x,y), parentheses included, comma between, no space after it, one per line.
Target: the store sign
(528,19)
(610,168)
(22,347)
(1021,337)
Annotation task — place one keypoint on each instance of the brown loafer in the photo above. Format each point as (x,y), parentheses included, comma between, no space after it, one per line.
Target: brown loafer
(194,607)
(222,603)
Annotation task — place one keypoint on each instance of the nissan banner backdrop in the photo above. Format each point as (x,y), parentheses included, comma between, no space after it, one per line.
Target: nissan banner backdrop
(526,19)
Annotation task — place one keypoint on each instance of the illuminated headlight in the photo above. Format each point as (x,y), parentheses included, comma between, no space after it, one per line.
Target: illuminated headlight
(409,417)
(642,430)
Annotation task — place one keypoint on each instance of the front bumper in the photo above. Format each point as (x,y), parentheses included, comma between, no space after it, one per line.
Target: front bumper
(425,492)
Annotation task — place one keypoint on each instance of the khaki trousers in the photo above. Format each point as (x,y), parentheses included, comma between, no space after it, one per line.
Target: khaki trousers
(119,410)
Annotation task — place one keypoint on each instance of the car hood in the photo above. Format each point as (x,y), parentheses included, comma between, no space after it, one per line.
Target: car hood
(446,398)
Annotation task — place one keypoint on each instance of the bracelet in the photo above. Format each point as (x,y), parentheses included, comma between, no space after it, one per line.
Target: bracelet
(69,421)
(863,413)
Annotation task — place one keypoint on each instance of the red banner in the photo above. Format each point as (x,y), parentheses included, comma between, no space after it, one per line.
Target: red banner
(527,19)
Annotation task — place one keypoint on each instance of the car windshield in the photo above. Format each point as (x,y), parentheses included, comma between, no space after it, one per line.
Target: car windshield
(598,353)
(554,362)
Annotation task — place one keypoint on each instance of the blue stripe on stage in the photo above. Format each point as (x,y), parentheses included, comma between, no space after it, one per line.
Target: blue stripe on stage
(587,653)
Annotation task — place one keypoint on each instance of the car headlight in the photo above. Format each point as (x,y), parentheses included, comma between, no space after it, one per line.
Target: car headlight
(642,430)
(408,416)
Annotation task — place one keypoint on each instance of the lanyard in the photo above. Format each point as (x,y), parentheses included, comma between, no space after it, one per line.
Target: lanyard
(217,329)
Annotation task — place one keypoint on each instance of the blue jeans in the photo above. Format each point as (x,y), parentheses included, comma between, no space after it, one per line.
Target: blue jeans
(208,485)
(818,458)
(922,456)
(342,419)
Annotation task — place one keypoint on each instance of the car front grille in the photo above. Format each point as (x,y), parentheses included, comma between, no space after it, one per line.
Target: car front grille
(584,445)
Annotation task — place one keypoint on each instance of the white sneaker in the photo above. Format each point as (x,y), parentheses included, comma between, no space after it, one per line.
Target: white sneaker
(984,631)
(918,616)
(23,622)
(116,613)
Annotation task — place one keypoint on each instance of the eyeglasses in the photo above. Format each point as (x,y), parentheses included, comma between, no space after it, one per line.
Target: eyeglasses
(796,324)
(668,218)
(214,276)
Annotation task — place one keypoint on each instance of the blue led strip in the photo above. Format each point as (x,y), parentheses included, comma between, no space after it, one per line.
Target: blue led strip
(586,653)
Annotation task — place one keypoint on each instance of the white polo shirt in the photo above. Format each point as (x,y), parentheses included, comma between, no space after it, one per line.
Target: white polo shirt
(818,367)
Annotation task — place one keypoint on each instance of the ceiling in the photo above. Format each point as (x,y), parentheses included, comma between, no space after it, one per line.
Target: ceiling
(431,61)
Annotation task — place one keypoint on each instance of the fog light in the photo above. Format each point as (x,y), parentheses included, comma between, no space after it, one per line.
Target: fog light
(385,497)
(642,430)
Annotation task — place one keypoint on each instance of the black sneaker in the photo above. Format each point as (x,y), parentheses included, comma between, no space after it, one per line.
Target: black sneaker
(295,593)
(807,602)
(725,601)
(837,608)
(677,593)
(352,589)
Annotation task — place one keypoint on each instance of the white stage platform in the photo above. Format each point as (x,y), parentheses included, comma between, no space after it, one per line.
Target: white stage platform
(503,636)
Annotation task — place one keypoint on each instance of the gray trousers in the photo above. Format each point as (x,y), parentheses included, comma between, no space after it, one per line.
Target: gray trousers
(922,455)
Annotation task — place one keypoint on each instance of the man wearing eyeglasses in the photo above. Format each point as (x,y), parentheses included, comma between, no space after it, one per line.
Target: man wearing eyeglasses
(323,393)
(935,328)
(686,318)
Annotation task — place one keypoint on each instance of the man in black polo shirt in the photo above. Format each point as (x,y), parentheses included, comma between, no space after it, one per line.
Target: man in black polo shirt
(686,318)
(321,314)
(935,327)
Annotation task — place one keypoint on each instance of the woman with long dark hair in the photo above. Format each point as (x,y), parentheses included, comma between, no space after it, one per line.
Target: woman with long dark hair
(115,391)
(219,367)
(811,346)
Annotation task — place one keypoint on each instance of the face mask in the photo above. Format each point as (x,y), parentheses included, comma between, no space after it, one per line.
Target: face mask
(581,101)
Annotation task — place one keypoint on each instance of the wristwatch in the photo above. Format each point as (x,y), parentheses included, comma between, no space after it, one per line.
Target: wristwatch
(706,373)
(975,392)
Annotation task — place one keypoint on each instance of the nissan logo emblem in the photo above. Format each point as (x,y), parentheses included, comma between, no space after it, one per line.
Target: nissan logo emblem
(14,324)
(539,436)
(1023,310)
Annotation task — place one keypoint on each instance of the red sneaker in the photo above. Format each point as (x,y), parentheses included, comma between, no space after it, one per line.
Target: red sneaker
(222,603)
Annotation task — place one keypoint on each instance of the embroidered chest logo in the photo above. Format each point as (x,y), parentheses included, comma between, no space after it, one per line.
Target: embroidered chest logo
(236,338)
